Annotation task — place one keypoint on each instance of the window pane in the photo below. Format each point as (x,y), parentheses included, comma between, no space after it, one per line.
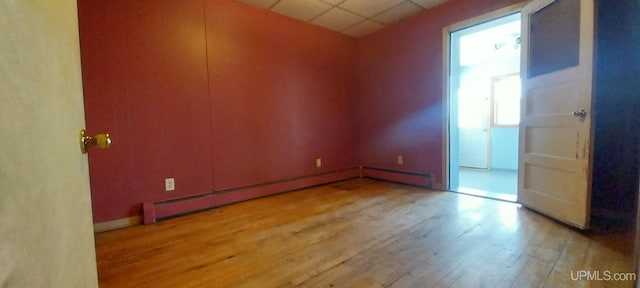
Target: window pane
(554,39)
(506,100)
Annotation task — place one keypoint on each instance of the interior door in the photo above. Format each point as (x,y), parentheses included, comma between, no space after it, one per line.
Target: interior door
(473,121)
(556,127)
(46,233)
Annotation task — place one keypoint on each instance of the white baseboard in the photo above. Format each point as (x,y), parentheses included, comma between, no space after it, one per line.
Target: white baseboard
(117,224)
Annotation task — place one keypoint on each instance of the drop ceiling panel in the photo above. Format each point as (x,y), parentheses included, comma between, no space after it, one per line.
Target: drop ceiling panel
(398,12)
(333,2)
(356,18)
(363,28)
(338,19)
(301,10)
(369,8)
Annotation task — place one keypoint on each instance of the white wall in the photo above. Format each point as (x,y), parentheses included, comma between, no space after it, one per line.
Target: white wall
(504,148)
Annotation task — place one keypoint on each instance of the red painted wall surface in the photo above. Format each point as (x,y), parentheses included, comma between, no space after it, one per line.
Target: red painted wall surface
(215,94)
(282,94)
(400,78)
(145,82)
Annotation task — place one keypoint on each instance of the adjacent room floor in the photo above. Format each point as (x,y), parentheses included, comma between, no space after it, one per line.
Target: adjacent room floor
(362,233)
(499,184)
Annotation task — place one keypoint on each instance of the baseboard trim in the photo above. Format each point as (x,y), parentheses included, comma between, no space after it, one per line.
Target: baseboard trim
(417,179)
(154,211)
(157,210)
(117,224)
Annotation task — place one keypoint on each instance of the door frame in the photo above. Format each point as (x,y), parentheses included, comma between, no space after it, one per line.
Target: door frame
(446,104)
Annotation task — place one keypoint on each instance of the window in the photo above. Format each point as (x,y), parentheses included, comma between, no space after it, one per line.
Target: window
(506,100)
(554,37)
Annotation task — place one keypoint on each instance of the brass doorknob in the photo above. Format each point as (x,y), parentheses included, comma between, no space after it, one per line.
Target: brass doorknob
(102,141)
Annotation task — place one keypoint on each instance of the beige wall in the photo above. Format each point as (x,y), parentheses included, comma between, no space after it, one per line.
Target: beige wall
(46,237)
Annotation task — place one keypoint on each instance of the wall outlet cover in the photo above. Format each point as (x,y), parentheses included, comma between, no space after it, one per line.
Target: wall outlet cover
(169,184)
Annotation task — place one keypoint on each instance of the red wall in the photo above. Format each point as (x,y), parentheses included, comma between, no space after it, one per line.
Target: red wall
(145,82)
(215,94)
(400,77)
(220,95)
(282,95)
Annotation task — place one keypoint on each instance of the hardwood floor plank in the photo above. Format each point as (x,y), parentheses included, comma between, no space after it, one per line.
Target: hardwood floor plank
(360,233)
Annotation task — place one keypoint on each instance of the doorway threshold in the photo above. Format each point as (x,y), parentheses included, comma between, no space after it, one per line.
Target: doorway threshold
(487,194)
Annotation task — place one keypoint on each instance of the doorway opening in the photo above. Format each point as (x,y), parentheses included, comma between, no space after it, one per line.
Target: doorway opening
(484,108)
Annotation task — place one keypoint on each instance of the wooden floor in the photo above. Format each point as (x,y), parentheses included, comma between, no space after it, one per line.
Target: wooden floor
(362,233)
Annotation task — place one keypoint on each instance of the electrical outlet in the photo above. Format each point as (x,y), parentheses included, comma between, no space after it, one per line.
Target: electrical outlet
(400,160)
(318,162)
(169,184)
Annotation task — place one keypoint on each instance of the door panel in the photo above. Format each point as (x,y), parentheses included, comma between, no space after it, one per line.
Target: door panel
(46,233)
(555,145)
(555,41)
(473,121)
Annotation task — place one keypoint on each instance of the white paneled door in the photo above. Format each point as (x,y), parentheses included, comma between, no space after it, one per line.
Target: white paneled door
(46,233)
(556,128)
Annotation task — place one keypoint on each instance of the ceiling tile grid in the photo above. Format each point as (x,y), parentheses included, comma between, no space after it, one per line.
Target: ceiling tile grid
(355,18)
(338,19)
(369,8)
(302,10)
